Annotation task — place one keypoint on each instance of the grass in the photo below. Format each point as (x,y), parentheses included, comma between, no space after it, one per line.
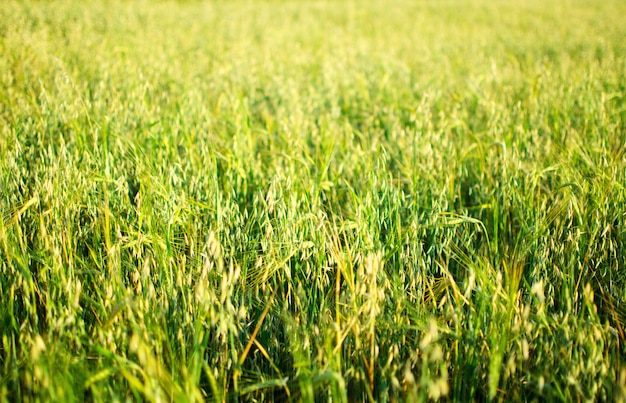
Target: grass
(306,200)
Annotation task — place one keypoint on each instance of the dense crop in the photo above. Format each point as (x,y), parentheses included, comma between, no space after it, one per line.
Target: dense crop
(306,200)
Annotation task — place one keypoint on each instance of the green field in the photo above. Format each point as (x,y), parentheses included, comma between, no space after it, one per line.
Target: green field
(341,200)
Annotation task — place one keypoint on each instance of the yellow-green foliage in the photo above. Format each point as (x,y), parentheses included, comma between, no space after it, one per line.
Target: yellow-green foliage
(312,200)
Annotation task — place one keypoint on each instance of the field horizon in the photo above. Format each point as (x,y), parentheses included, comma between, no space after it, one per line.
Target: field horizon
(312,200)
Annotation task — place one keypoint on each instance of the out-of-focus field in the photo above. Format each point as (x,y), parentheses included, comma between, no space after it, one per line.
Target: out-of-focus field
(312,200)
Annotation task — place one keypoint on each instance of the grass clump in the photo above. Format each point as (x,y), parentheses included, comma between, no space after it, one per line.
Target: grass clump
(312,201)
